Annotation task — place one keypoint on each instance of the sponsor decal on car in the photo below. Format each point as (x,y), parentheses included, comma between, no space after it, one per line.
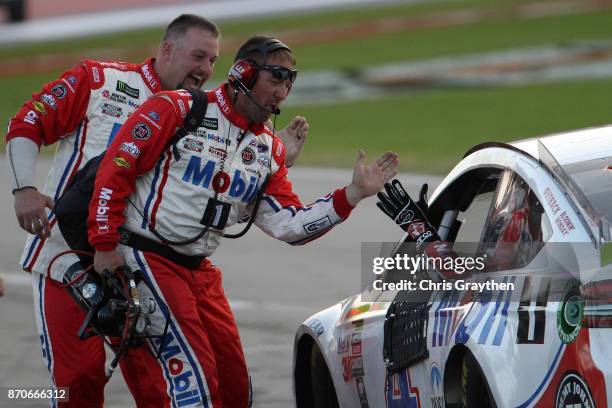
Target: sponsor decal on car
(574,392)
(121,162)
(130,148)
(570,313)
(356,343)
(565,223)
(112,110)
(344,343)
(436,398)
(141,131)
(59,91)
(316,326)
(128,90)
(248,156)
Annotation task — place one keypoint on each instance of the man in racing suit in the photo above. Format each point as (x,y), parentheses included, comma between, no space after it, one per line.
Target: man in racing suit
(82,111)
(165,214)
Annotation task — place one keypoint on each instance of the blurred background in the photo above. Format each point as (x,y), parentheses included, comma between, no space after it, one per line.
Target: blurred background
(427,79)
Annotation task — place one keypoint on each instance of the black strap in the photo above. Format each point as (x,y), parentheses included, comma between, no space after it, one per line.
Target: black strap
(141,243)
(192,121)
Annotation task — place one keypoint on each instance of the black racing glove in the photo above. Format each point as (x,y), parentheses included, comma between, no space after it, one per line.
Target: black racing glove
(406,213)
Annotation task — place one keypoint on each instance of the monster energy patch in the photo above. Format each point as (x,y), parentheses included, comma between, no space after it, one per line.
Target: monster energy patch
(128,90)
(210,123)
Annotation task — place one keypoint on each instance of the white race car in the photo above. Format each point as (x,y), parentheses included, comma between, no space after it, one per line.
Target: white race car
(544,342)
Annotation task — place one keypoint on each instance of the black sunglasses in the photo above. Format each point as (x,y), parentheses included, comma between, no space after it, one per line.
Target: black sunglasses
(279,72)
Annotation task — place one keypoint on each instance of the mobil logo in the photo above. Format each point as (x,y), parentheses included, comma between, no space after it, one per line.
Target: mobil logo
(179,372)
(200,174)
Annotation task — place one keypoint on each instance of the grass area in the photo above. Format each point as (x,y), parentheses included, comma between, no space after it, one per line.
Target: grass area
(432,130)
(436,127)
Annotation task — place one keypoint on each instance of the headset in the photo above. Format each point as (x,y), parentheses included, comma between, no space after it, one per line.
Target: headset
(243,74)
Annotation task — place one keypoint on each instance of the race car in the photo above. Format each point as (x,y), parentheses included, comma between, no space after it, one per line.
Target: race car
(538,334)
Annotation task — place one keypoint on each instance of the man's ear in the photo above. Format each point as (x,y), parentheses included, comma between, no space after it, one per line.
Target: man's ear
(166,49)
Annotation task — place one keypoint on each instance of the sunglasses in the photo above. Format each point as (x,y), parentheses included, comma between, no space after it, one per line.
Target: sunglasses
(279,72)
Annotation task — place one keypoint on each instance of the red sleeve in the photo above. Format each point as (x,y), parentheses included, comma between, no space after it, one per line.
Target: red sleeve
(54,111)
(135,150)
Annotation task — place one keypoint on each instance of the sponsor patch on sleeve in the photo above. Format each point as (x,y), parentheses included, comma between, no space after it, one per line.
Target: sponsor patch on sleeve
(318,225)
(141,131)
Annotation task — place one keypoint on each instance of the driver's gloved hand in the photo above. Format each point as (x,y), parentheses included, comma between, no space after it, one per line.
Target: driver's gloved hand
(406,213)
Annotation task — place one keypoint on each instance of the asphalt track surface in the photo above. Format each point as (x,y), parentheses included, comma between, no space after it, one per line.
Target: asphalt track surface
(272,288)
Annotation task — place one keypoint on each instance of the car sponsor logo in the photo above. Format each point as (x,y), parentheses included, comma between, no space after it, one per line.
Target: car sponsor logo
(59,91)
(146,70)
(153,115)
(121,162)
(574,392)
(130,148)
(197,174)
(39,107)
(210,123)
(112,110)
(214,137)
(318,225)
(316,326)
(193,145)
(344,343)
(215,151)
(569,314)
(435,378)
(102,210)
(357,366)
(141,131)
(30,117)
(565,223)
(356,343)
(49,100)
(248,156)
(128,90)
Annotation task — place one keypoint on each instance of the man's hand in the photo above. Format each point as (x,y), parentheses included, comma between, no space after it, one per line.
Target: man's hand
(294,137)
(370,179)
(30,211)
(406,213)
(107,260)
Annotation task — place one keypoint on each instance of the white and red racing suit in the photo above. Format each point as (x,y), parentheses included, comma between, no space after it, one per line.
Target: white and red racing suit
(175,195)
(81,112)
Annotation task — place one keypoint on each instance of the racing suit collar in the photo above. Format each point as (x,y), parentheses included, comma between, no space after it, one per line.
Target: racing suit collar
(225,105)
(149,75)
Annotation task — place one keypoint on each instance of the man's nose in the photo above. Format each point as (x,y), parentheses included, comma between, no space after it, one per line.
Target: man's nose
(282,90)
(207,67)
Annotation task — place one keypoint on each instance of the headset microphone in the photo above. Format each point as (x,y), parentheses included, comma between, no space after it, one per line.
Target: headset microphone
(247,92)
